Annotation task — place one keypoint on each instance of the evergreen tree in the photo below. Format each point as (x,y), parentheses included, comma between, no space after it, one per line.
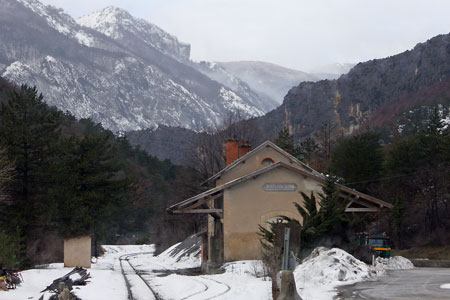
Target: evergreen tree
(434,169)
(29,132)
(92,187)
(398,214)
(307,150)
(10,249)
(319,223)
(285,140)
(418,165)
(358,159)
(304,152)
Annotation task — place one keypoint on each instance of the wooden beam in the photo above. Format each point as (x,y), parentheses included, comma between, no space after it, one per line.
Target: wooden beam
(364,209)
(198,211)
(217,215)
(202,201)
(361,201)
(365,203)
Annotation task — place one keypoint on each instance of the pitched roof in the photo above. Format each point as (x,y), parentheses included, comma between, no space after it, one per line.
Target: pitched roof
(254,151)
(318,177)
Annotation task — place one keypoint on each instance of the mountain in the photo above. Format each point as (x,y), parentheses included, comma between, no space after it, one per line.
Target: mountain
(172,143)
(374,93)
(218,73)
(270,80)
(118,24)
(330,70)
(394,94)
(121,71)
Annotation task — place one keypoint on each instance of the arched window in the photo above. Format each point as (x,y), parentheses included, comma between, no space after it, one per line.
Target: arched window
(267,161)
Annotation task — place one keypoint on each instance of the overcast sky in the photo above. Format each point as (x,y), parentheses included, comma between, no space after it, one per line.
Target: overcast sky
(298,34)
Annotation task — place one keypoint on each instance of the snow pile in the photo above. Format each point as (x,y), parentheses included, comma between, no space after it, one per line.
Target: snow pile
(186,254)
(100,286)
(326,269)
(125,249)
(393,263)
(254,268)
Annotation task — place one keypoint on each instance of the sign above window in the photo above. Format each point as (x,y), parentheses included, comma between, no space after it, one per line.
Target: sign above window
(279,187)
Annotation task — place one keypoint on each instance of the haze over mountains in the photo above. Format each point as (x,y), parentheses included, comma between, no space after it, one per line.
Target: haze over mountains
(274,81)
(393,94)
(131,75)
(376,93)
(121,71)
(121,80)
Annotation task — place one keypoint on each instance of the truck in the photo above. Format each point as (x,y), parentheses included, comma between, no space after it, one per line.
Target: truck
(369,246)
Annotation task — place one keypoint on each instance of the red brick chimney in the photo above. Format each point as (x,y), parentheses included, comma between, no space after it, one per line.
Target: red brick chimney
(235,150)
(231,149)
(244,148)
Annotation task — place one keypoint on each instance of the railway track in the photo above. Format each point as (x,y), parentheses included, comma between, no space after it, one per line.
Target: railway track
(205,287)
(131,296)
(228,288)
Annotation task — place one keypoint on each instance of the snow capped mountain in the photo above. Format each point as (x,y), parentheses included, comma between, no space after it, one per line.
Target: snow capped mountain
(267,79)
(117,23)
(220,74)
(336,68)
(60,21)
(123,72)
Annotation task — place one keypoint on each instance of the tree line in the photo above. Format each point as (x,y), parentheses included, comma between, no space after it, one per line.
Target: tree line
(61,177)
(411,171)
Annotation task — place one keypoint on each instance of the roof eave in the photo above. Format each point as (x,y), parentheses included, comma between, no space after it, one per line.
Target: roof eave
(247,155)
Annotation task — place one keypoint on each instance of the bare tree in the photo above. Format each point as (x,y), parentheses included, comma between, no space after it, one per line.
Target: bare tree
(207,155)
(325,139)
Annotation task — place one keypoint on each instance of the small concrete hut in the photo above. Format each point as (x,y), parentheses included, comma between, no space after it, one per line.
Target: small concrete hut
(77,252)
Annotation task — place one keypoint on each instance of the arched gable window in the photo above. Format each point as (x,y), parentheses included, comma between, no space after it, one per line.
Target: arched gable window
(267,161)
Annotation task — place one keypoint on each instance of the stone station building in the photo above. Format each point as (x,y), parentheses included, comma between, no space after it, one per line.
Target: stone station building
(254,188)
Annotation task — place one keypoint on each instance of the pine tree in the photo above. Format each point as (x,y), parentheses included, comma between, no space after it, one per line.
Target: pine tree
(418,164)
(303,152)
(92,186)
(321,218)
(307,150)
(398,214)
(332,208)
(285,140)
(29,132)
(358,159)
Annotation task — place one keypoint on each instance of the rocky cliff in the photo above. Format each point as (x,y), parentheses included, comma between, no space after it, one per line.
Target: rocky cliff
(389,93)
(373,93)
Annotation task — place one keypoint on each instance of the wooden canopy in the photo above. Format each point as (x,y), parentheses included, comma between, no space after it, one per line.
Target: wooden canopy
(358,202)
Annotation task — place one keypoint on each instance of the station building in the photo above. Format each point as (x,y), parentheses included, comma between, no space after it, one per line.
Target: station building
(253,189)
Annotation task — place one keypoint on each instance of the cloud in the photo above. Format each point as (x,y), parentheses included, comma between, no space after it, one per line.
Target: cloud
(294,33)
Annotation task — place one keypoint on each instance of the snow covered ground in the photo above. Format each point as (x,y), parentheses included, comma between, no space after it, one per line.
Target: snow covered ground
(171,276)
(325,269)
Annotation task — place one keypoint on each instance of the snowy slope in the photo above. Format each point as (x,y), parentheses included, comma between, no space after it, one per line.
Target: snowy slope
(268,79)
(60,21)
(132,79)
(220,74)
(116,22)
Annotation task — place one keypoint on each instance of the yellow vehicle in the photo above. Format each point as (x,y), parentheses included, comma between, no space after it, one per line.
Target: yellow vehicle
(380,244)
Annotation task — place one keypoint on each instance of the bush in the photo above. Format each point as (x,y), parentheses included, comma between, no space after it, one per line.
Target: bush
(8,251)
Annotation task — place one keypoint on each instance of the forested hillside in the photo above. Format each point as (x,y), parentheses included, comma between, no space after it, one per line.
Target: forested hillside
(374,93)
(63,178)
(412,172)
